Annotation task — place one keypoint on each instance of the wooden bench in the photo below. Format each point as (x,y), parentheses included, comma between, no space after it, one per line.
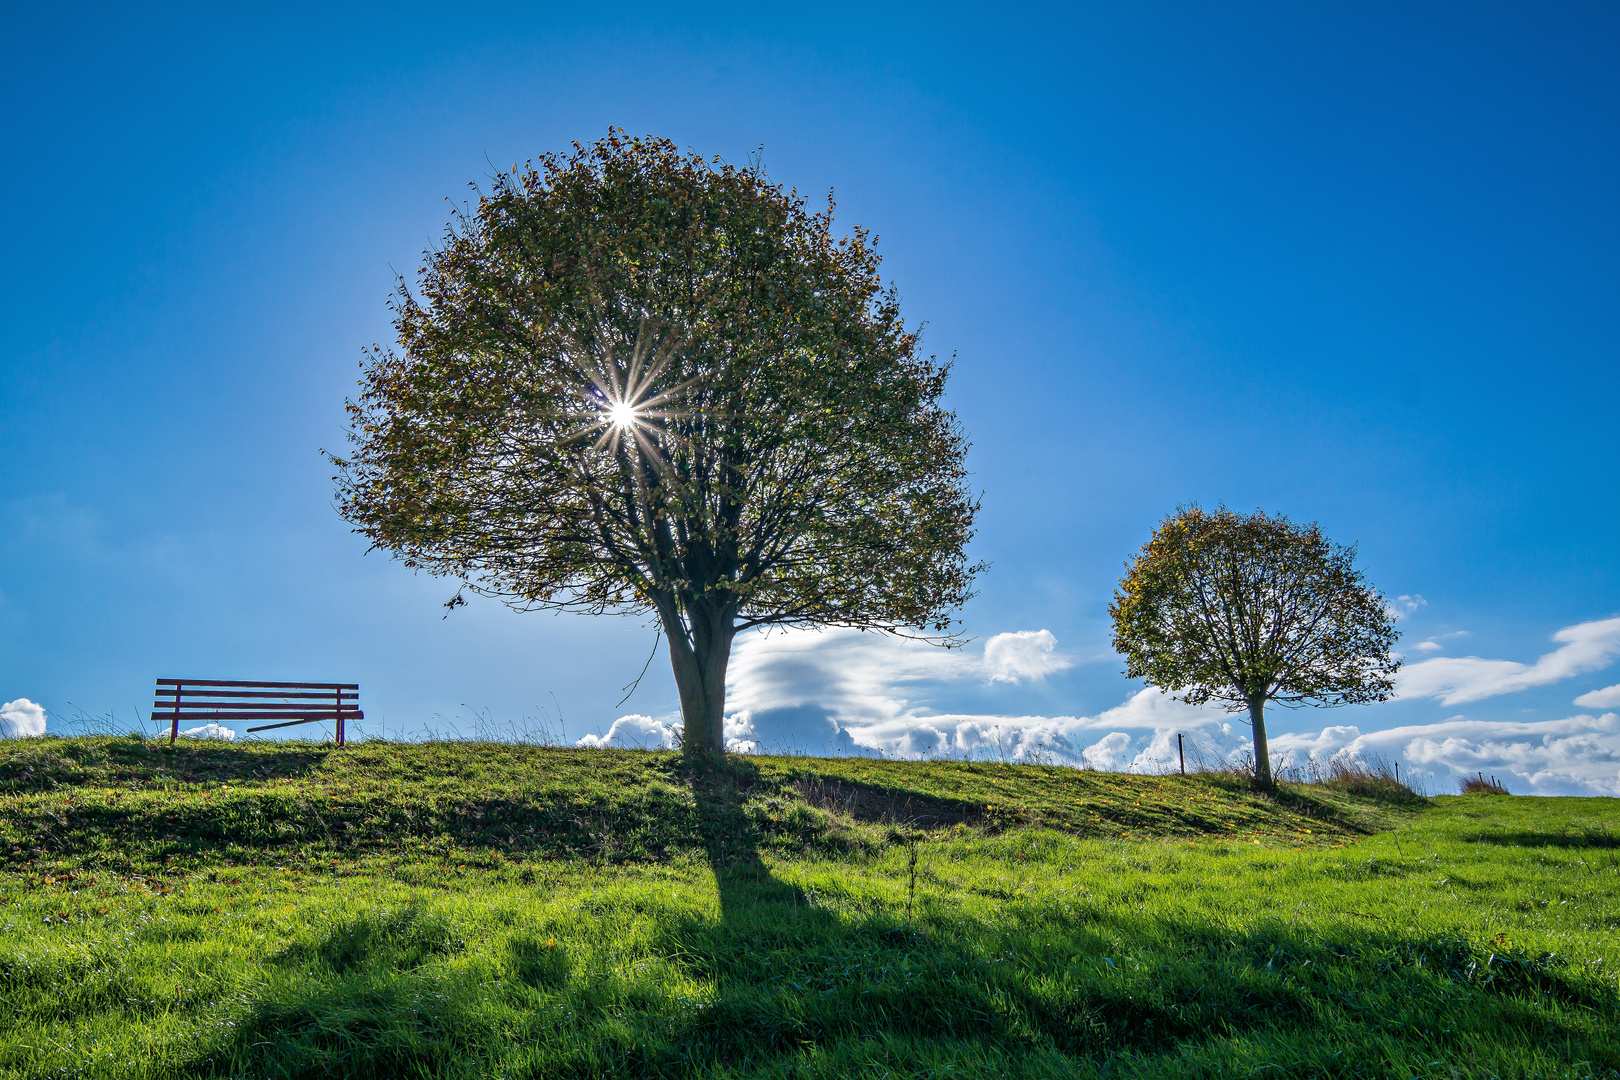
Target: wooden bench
(229,699)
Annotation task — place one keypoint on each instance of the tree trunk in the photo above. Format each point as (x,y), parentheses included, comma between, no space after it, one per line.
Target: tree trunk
(699,653)
(1262,756)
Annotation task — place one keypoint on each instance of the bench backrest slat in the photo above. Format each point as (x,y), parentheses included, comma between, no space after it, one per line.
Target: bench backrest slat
(189,683)
(167,696)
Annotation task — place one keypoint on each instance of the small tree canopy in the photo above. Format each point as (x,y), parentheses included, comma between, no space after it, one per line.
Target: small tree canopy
(640,381)
(1242,610)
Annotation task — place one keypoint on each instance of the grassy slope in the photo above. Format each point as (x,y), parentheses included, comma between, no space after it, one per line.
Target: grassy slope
(479,910)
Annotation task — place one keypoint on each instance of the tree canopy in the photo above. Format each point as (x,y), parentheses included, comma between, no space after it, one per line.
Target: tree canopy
(1242,610)
(632,379)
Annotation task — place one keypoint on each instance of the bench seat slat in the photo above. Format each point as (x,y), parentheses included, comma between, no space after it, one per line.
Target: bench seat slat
(256,710)
(282,714)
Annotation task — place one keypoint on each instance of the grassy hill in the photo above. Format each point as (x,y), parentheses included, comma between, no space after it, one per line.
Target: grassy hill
(480,910)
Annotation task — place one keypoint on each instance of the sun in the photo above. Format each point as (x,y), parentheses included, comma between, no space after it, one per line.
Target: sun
(622,415)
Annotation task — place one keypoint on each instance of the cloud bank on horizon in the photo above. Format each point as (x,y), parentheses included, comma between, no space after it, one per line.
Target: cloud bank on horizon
(847,692)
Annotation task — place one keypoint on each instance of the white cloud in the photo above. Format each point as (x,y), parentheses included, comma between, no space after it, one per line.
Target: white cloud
(1404,605)
(860,674)
(210,730)
(1588,646)
(1022,654)
(1322,745)
(635,732)
(1606,698)
(1111,752)
(828,679)
(843,692)
(21,719)
(1579,755)
(1436,643)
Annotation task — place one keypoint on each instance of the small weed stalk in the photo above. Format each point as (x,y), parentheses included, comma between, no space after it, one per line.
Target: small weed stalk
(911,888)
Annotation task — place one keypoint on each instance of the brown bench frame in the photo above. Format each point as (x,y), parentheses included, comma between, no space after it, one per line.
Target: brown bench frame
(291,703)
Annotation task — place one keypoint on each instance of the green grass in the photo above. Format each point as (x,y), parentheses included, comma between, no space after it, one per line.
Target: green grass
(480,910)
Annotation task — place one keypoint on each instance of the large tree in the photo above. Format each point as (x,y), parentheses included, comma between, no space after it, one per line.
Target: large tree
(637,380)
(1242,610)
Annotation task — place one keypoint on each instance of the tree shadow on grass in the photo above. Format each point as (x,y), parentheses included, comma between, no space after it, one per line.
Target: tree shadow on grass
(1587,838)
(876,804)
(48,763)
(1306,803)
(790,979)
(795,973)
(731,840)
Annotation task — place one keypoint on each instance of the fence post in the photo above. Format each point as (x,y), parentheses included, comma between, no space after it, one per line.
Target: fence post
(1181,753)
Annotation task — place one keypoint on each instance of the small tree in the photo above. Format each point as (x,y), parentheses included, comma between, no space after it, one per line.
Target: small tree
(640,381)
(1242,610)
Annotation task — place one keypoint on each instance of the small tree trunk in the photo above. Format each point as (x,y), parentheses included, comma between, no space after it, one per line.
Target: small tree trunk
(699,654)
(1262,756)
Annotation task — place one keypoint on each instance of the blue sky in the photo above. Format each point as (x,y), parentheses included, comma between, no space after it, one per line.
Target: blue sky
(1354,264)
